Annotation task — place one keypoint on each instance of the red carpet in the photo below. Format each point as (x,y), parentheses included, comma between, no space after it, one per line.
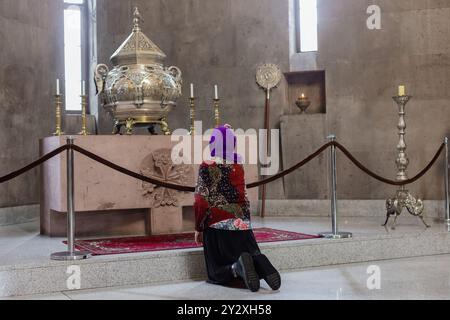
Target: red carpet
(173,241)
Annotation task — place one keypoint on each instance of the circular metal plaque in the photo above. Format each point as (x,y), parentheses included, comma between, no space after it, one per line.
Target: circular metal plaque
(268,75)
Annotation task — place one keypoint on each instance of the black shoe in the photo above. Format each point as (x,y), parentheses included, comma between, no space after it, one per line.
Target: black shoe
(245,269)
(267,271)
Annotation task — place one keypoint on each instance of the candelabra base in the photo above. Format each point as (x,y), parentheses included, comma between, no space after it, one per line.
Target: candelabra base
(84,133)
(404,199)
(58,133)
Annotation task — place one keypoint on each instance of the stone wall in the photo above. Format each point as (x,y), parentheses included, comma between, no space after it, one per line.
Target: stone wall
(31,55)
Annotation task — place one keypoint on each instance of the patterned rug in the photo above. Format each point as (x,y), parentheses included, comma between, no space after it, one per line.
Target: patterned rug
(173,241)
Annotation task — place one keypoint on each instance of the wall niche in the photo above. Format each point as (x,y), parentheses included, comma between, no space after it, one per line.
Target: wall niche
(310,83)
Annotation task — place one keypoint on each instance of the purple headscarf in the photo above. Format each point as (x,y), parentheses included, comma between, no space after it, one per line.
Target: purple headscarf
(223,143)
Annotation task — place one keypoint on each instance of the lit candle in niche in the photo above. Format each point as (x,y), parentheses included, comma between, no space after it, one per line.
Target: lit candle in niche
(216,92)
(303,96)
(83,88)
(192,90)
(57,87)
(401,91)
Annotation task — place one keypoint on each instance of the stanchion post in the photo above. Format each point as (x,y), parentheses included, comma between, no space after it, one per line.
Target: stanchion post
(70,254)
(447,202)
(334,234)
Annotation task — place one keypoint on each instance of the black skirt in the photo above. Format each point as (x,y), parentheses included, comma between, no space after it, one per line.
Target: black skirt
(222,248)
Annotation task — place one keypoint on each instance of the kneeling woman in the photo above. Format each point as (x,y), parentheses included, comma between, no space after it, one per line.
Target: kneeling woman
(222,219)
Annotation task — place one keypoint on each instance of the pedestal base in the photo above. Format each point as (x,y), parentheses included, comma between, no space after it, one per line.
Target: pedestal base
(403,199)
(70,256)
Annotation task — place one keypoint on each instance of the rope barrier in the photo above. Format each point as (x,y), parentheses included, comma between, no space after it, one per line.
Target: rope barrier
(388,181)
(132,173)
(255,184)
(291,169)
(34,164)
(189,188)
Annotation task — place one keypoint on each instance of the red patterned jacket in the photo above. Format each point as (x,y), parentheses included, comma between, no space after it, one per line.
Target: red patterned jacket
(220,198)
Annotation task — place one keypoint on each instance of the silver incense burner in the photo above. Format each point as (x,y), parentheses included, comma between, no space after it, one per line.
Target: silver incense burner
(139,90)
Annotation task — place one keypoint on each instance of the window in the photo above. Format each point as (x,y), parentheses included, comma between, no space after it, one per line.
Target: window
(74,52)
(306,13)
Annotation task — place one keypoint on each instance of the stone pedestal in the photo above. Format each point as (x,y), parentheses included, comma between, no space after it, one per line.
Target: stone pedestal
(108,203)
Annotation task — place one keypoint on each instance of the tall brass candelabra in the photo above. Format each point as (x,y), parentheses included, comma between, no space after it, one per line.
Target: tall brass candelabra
(58,107)
(403,198)
(84,131)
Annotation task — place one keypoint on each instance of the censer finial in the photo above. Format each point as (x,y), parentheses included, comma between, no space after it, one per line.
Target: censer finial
(136,19)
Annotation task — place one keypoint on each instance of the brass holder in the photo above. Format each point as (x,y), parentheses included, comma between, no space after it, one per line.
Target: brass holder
(303,103)
(84,131)
(141,121)
(192,115)
(58,105)
(216,112)
(403,198)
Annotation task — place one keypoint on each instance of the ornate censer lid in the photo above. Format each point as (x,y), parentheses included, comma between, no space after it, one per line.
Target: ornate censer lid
(137,48)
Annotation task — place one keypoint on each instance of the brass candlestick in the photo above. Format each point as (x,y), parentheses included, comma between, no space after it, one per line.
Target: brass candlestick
(58,105)
(403,198)
(216,112)
(84,130)
(192,115)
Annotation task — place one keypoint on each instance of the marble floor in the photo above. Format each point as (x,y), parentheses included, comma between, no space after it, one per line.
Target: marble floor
(427,277)
(412,278)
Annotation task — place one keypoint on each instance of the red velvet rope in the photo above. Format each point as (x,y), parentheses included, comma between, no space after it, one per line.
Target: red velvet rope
(291,169)
(189,188)
(34,164)
(388,181)
(132,173)
(178,187)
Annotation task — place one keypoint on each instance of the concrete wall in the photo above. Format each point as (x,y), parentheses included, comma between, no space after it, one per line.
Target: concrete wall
(30,57)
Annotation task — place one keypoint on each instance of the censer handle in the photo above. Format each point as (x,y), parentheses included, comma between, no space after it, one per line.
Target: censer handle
(175,72)
(100,73)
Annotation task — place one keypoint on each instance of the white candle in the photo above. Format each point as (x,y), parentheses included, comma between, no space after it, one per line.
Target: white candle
(57,87)
(192,90)
(83,88)
(216,92)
